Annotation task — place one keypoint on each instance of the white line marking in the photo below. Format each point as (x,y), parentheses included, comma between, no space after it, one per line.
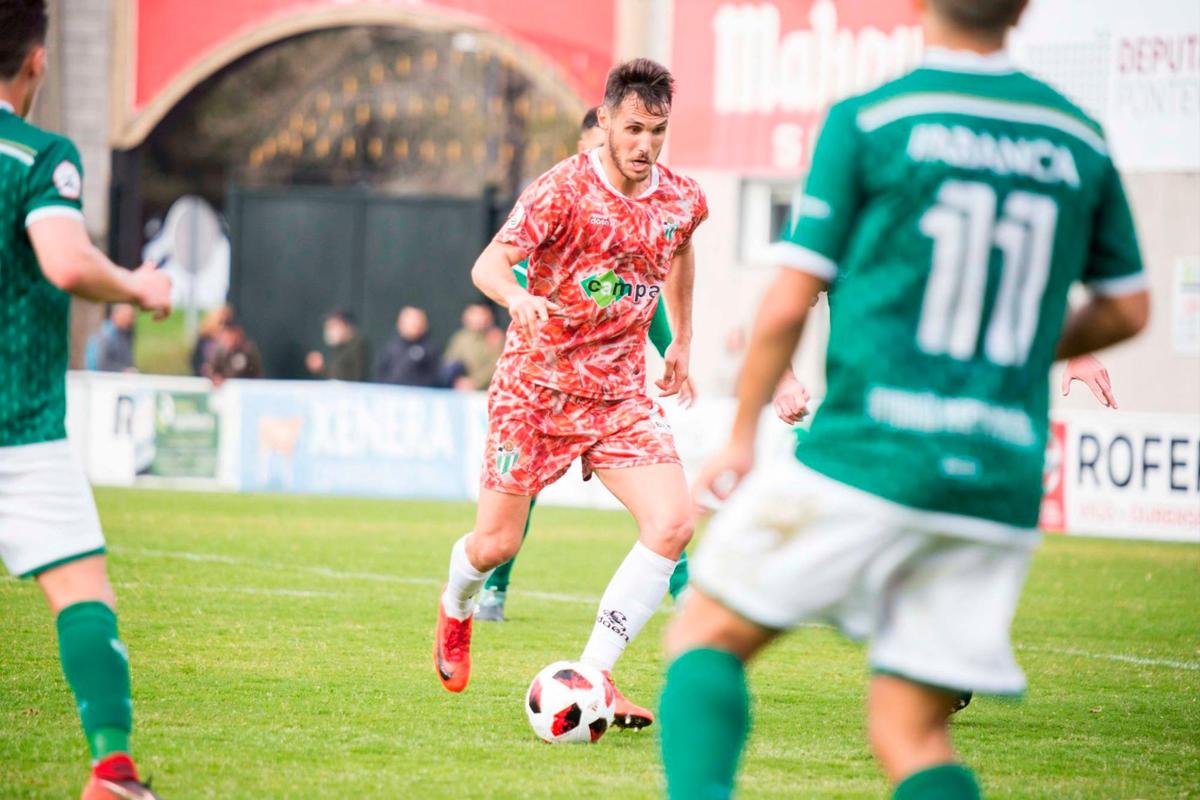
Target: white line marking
(328,572)
(254,590)
(1142,662)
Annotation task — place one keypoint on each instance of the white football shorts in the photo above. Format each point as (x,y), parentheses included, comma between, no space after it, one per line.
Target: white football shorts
(47,513)
(933,594)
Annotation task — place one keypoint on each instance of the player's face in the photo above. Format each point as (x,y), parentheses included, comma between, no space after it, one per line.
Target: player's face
(635,138)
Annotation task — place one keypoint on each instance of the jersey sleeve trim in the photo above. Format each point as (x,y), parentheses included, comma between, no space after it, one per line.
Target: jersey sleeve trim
(794,256)
(53,210)
(13,151)
(893,109)
(1120,286)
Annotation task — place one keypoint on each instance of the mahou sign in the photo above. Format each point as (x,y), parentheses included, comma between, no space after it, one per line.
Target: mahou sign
(756,78)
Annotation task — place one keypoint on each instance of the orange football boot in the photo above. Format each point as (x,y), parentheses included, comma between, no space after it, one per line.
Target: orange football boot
(116,778)
(625,713)
(452,650)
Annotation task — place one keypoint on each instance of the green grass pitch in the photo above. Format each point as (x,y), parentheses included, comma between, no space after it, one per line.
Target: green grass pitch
(281,648)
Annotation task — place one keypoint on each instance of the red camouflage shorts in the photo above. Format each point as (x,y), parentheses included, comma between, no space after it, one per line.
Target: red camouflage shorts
(535,432)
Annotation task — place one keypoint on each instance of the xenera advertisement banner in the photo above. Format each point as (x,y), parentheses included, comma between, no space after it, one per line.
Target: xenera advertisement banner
(1124,475)
(353,438)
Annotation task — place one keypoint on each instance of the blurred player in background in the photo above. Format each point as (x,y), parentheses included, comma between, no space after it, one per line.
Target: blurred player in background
(495,591)
(956,206)
(49,529)
(606,233)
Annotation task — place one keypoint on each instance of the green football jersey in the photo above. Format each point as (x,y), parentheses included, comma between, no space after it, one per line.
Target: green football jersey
(40,176)
(660,327)
(955,207)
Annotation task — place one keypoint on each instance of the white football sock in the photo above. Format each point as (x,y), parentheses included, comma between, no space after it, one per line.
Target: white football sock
(464,583)
(633,594)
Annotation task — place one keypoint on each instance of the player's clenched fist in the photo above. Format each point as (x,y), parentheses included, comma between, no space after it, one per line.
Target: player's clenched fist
(152,288)
(529,311)
(791,400)
(721,474)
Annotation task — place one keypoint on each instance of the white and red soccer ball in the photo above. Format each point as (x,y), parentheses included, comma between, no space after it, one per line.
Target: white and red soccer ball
(570,702)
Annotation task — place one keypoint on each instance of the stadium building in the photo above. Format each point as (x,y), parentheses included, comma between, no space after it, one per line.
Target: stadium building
(340,140)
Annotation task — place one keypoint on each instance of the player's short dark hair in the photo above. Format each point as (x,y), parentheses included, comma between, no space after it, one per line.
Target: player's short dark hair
(648,80)
(343,315)
(982,16)
(590,120)
(23,26)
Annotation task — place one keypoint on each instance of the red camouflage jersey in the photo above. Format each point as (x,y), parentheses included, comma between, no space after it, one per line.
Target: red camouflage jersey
(602,257)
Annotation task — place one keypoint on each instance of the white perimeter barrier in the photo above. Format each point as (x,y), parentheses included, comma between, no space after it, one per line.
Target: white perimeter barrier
(1107,473)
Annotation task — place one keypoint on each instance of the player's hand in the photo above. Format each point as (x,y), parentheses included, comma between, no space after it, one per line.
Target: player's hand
(152,290)
(1089,370)
(791,400)
(315,362)
(687,393)
(530,312)
(675,369)
(720,475)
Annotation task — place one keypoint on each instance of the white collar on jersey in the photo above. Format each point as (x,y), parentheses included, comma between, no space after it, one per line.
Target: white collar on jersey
(594,157)
(7,106)
(944,58)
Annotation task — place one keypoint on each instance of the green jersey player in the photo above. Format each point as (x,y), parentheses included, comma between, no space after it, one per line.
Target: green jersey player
(495,591)
(49,529)
(956,206)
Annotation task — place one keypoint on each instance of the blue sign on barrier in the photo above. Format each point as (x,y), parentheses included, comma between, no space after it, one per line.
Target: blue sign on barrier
(353,438)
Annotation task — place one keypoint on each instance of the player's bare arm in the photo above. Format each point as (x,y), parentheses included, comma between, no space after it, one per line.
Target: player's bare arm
(777,327)
(1102,322)
(71,262)
(678,290)
(493,275)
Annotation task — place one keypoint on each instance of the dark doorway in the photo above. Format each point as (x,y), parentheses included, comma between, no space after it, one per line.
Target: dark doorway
(300,252)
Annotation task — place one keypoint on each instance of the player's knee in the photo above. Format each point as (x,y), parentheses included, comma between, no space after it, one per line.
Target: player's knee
(670,534)
(492,548)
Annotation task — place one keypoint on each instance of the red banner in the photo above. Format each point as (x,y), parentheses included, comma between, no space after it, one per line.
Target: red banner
(172,35)
(755,78)
(1054,478)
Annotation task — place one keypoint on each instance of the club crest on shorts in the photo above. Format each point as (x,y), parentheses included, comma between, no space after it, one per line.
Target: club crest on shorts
(507,456)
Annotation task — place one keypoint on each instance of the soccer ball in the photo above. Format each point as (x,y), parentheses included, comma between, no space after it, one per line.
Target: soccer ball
(570,702)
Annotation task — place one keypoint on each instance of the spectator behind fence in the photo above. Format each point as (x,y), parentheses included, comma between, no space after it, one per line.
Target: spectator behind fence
(110,349)
(237,356)
(204,352)
(346,356)
(474,349)
(409,359)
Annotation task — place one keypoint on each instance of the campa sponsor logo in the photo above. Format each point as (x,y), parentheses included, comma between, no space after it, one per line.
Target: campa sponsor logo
(608,288)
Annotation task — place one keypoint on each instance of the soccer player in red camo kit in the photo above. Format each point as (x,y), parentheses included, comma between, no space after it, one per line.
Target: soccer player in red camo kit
(606,232)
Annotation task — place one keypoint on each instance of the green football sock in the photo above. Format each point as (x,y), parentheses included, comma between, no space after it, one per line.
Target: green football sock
(943,782)
(705,716)
(97,669)
(498,580)
(679,578)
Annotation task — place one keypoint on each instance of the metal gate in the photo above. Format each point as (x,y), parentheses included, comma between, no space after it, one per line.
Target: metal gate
(300,252)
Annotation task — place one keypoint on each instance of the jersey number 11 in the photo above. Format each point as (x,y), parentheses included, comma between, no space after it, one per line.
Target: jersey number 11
(965,229)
